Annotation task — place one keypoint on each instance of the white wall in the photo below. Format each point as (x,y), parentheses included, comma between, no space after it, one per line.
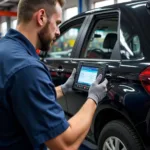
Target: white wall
(71,3)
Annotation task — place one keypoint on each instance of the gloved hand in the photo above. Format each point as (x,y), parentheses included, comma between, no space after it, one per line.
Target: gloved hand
(67,86)
(98,91)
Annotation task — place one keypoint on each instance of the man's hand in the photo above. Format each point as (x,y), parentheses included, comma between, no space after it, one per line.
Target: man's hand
(98,91)
(67,86)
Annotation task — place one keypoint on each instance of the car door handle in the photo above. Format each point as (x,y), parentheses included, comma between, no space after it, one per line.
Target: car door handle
(57,69)
(58,72)
(61,70)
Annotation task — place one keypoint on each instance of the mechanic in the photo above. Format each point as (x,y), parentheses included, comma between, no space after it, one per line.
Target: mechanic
(31,118)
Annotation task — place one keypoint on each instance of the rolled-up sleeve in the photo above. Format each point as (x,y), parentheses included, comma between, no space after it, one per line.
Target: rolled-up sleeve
(35,106)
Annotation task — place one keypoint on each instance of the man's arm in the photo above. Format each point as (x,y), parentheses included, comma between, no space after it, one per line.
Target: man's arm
(59,92)
(39,103)
(42,110)
(80,123)
(72,138)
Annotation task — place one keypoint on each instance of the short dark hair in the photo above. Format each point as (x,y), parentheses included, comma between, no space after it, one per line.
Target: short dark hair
(26,8)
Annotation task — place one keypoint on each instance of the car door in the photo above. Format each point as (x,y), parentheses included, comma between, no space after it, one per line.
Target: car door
(101,46)
(58,59)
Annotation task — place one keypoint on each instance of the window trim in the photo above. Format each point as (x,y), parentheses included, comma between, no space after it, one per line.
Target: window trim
(104,15)
(83,31)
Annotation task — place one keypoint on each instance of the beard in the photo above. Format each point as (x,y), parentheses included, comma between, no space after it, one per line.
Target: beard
(44,38)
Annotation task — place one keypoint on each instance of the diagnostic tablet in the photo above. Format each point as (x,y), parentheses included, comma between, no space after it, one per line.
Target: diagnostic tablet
(87,73)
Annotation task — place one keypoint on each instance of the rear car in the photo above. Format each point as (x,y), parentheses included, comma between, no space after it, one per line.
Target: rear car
(119,36)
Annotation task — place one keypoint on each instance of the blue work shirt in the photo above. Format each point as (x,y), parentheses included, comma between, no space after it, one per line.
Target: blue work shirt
(29,112)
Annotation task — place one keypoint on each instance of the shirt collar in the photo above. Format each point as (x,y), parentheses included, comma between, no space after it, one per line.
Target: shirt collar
(16,35)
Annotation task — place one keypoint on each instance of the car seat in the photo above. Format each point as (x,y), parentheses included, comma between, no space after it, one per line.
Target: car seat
(109,43)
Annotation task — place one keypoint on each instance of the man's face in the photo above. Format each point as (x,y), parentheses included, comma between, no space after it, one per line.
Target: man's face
(51,30)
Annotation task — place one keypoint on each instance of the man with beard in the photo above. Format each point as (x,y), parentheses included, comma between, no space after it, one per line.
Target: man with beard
(31,118)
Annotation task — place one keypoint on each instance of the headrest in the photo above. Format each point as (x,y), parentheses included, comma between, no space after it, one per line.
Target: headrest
(110,41)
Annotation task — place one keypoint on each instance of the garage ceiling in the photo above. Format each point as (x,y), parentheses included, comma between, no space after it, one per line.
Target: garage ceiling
(7,4)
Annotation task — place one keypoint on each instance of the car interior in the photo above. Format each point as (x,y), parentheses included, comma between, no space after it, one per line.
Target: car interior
(101,46)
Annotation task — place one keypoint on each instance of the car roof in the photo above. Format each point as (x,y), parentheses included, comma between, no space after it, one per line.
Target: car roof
(129,6)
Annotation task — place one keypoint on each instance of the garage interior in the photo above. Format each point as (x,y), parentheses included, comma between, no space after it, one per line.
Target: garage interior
(8,9)
(8,19)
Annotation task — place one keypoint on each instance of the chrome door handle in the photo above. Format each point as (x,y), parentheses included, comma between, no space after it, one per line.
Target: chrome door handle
(57,70)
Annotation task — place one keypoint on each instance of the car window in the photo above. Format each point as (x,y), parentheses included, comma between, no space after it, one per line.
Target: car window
(102,39)
(63,46)
(130,46)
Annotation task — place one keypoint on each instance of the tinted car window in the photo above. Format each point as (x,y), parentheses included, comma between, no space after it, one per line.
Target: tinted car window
(102,39)
(63,46)
(130,37)
(130,45)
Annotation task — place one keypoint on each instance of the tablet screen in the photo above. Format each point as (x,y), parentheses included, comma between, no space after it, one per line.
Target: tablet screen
(87,75)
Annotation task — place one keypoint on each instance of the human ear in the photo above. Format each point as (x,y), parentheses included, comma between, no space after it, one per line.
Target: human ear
(41,17)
